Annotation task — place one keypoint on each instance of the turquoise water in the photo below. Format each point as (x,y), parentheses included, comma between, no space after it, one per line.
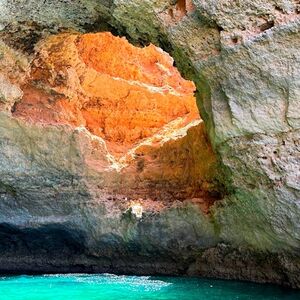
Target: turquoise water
(108,287)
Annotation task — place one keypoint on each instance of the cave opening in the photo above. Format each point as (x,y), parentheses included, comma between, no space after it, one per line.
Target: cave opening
(135,106)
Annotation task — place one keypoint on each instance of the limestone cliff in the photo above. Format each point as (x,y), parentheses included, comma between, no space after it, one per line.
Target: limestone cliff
(105,163)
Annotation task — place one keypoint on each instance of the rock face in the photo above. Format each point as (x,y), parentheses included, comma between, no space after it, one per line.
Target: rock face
(105,164)
(123,97)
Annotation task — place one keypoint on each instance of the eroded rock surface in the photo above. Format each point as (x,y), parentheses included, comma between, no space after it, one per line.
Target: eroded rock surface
(110,147)
(123,97)
(243,57)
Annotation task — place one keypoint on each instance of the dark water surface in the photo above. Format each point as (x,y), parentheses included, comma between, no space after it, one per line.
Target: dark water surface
(108,287)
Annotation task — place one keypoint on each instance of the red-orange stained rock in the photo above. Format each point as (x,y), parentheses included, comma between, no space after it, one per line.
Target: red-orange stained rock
(154,145)
(120,92)
(116,57)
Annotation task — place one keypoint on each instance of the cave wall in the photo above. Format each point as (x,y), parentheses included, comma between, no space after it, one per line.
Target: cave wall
(243,57)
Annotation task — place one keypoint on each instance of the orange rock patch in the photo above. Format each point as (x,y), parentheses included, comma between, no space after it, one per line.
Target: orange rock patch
(147,139)
(117,58)
(119,92)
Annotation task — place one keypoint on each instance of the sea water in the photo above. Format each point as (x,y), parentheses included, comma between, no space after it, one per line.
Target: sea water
(108,287)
